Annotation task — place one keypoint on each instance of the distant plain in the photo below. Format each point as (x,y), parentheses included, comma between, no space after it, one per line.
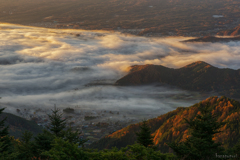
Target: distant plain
(162,17)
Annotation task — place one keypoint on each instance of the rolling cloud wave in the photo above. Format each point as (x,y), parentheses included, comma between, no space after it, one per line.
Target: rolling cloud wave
(42,67)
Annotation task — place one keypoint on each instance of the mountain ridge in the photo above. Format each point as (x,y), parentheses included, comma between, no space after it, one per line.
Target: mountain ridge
(18,124)
(214,39)
(197,76)
(171,127)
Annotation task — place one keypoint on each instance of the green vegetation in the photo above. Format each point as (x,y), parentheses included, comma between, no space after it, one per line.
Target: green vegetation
(62,150)
(200,144)
(205,126)
(24,147)
(61,143)
(144,137)
(57,124)
(172,127)
(17,125)
(4,135)
(42,143)
(131,152)
(6,145)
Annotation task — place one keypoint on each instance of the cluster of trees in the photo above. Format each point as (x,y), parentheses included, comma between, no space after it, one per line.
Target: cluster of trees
(58,142)
(39,147)
(200,145)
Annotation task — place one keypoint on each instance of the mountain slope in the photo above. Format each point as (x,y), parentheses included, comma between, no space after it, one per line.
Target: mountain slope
(231,32)
(214,39)
(198,76)
(172,127)
(17,125)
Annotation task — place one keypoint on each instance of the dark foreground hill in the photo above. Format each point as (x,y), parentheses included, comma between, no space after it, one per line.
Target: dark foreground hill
(198,76)
(17,125)
(171,127)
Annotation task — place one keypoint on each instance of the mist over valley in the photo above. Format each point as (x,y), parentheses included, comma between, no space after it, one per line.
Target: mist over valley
(119,79)
(76,68)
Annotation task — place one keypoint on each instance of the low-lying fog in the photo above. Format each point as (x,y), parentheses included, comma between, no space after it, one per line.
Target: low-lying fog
(42,67)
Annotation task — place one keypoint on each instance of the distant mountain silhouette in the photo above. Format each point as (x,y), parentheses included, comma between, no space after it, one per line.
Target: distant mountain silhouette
(214,39)
(198,76)
(17,125)
(172,127)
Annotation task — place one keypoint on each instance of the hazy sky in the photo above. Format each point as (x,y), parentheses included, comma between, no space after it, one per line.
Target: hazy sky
(41,67)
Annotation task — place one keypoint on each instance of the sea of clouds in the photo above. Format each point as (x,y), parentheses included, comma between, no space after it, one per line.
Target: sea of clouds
(41,67)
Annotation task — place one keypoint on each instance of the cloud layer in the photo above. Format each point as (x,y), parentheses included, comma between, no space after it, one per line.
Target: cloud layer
(42,67)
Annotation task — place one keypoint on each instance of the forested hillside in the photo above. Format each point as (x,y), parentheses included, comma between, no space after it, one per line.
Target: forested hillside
(171,127)
(17,125)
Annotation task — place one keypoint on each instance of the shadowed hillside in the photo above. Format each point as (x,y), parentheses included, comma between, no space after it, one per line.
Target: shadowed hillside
(18,125)
(230,32)
(172,127)
(198,76)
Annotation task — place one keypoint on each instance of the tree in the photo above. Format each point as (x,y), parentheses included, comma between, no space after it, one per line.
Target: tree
(59,129)
(7,155)
(139,152)
(42,143)
(5,140)
(235,150)
(25,146)
(57,124)
(131,152)
(144,137)
(62,150)
(200,144)
(73,137)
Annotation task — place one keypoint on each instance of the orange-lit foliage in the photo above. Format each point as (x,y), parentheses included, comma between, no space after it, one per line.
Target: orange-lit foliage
(172,126)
